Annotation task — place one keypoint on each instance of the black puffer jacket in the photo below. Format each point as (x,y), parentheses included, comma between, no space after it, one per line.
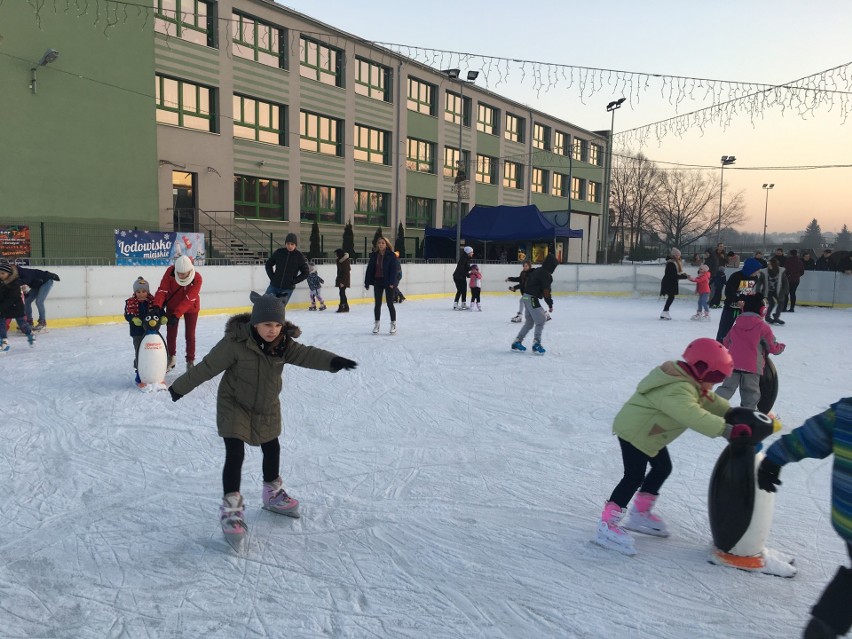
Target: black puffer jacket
(11,302)
(287,268)
(541,279)
(463,267)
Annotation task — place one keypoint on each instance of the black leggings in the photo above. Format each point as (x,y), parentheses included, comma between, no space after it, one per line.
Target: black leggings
(235,453)
(635,463)
(378,289)
(461,289)
(343,300)
(669,300)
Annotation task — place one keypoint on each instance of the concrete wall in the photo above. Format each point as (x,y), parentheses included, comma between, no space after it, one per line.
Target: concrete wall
(96,294)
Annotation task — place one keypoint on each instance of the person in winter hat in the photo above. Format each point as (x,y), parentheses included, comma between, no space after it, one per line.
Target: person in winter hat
(475,284)
(538,287)
(669,284)
(38,285)
(460,276)
(12,305)
(315,283)
(749,341)
(179,297)
(741,285)
(343,279)
(252,355)
(820,436)
(702,288)
(286,267)
(381,274)
(136,308)
(672,398)
(521,286)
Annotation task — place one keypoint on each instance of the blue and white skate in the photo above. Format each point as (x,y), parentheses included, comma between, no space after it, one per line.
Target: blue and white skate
(518,346)
(538,348)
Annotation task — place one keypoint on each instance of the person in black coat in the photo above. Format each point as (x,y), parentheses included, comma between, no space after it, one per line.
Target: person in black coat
(824,261)
(381,274)
(39,283)
(12,305)
(669,284)
(342,281)
(538,286)
(744,283)
(286,268)
(460,276)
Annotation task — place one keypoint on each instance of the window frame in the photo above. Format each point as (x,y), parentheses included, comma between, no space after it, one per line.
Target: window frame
(415,216)
(451,115)
(369,89)
(449,217)
(369,150)
(578,188)
(450,170)
(561,147)
(580,149)
(416,162)
(513,175)
(490,127)
(259,52)
(558,184)
(482,176)
(514,133)
(257,204)
(427,105)
(304,116)
(541,136)
(378,215)
(181,112)
(539,181)
(315,70)
(184,27)
(239,113)
(320,214)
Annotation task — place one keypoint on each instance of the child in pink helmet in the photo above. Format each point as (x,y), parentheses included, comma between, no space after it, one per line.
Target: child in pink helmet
(673,397)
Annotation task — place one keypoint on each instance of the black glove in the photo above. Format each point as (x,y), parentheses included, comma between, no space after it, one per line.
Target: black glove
(53,276)
(767,475)
(173,320)
(341,362)
(175,395)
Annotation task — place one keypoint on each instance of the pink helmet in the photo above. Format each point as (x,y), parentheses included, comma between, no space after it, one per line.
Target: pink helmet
(708,360)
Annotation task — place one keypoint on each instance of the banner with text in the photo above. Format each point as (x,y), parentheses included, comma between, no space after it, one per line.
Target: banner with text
(153,247)
(15,243)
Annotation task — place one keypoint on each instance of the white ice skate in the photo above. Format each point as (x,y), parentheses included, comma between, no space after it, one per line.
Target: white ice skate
(645,522)
(516,319)
(614,537)
(665,315)
(276,499)
(232,518)
(768,562)
(376,326)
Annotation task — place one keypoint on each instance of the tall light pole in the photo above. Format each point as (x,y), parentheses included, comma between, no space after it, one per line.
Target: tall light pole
(461,175)
(767,188)
(726,160)
(611,107)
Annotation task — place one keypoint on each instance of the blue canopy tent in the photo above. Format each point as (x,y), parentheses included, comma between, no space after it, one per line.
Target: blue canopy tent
(496,224)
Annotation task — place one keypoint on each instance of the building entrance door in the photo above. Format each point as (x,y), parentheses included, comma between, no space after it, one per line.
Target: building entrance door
(185,202)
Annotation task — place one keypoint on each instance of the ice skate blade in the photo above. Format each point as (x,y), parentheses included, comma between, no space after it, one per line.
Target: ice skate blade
(237,541)
(292,512)
(645,530)
(768,563)
(603,542)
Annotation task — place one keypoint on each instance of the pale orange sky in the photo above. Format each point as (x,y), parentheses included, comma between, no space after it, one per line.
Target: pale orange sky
(762,41)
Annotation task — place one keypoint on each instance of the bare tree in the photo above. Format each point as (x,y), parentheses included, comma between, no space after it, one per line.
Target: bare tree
(635,188)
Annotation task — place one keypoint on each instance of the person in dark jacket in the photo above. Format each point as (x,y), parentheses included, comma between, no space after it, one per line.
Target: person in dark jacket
(795,271)
(776,287)
(381,274)
(669,284)
(252,354)
(136,309)
(844,264)
(398,297)
(824,434)
(12,305)
(824,261)
(538,287)
(286,267)
(758,255)
(782,259)
(743,283)
(39,283)
(342,281)
(808,262)
(522,287)
(460,276)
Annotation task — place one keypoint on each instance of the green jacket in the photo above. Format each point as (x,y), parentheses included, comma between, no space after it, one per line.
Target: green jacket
(248,405)
(665,404)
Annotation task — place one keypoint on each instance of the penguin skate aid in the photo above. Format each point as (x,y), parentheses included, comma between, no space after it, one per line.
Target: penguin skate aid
(674,397)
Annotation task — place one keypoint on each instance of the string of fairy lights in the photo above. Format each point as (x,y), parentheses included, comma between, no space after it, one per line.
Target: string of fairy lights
(828,90)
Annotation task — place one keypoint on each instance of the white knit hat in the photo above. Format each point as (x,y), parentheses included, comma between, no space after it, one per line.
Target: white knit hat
(184,265)
(468,250)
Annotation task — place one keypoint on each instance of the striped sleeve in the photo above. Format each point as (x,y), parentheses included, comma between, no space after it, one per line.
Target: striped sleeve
(813,439)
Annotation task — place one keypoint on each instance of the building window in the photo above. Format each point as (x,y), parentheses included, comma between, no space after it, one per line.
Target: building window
(371,208)
(259,121)
(541,136)
(451,162)
(558,185)
(513,175)
(372,80)
(457,109)
(486,119)
(514,128)
(594,192)
(258,197)
(185,104)
(578,189)
(450,216)
(580,150)
(371,145)
(421,97)
(320,62)
(320,134)
(486,169)
(595,154)
(259,41)
(419,212)
(420,156)
(318,203)
(539,180)
(560,143)
(191,20)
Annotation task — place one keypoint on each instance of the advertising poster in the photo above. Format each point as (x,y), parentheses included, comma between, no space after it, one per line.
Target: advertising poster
(143,248)
(15,243)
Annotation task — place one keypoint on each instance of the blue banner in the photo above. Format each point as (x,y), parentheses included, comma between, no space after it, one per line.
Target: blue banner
(142,248)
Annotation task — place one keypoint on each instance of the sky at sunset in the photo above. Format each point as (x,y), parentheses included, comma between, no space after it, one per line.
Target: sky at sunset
(759,42)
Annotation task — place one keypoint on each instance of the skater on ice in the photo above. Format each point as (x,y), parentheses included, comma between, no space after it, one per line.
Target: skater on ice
(669,284)
(820,436)
(315,283)
(343,279)
(12,305)
(252,354)
(179,297)
(381,275)
(285,268)
(521,286)
(672,398)
(538,287)
(475,284)
(742,284)
(702,289)
(138,311)
(460,276)
(39,284)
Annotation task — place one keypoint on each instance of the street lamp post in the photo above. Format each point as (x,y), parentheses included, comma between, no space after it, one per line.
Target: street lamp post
(726,160)
(767,188)
(611,107)
(461,175)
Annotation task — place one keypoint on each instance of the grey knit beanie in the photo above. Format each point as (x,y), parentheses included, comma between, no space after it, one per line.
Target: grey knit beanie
(141,285)
(267,308)
(292,237)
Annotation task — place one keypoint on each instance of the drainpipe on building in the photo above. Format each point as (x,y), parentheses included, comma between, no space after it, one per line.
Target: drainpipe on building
(397,160)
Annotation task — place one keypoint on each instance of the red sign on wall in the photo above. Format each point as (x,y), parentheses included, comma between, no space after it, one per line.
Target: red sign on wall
(15,242)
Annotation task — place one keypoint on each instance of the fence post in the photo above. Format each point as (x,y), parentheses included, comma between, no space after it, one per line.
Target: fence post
(41,232)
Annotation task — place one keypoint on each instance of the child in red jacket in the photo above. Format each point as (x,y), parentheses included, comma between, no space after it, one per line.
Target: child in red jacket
(702,287)
(178,296)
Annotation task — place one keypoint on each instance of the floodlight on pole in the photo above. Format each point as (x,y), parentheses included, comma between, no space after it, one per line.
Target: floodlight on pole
(49,56)
(611,108)
(726,160)
(767,188)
